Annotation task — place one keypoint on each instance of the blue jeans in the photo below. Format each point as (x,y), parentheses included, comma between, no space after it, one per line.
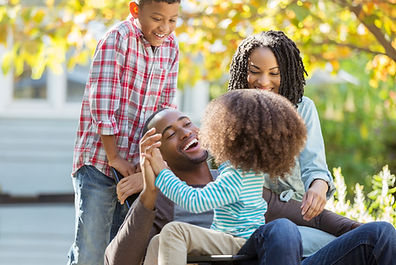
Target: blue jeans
(275,243)
(98,216)
(372,243)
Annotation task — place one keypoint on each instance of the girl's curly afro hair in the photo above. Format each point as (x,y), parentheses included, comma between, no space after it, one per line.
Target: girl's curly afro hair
(255,130)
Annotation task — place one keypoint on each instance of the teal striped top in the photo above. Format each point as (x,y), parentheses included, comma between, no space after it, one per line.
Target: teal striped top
(235,196)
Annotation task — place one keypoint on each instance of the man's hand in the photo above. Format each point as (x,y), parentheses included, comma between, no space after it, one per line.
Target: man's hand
(129,185)
(149,141)
(314,199)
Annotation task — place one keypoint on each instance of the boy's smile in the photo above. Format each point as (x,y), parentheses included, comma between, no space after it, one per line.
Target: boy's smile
(157,20)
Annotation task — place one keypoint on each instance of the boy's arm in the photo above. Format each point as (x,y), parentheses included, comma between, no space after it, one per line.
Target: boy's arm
(115,160)
(104,83)
(168,92)
(326,221)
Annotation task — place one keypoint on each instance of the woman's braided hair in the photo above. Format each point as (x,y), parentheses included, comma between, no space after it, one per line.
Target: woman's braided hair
(287,55)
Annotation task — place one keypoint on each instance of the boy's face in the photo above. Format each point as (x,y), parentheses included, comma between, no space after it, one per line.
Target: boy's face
(179,143)
(157,21)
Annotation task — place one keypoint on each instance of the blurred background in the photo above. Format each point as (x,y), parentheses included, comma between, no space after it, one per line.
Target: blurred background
(348,48)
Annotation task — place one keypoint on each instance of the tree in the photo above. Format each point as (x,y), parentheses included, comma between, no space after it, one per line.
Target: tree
(355,35)
(326,31)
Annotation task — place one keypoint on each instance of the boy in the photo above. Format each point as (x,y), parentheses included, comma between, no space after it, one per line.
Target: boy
(133,73)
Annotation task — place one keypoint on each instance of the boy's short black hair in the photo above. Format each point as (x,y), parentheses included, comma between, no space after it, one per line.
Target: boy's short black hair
(143,2)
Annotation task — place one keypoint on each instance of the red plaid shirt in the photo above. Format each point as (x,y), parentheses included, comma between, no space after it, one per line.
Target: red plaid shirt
(127,82)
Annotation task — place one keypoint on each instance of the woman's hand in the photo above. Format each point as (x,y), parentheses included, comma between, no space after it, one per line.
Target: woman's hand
(129,185)
(314,199)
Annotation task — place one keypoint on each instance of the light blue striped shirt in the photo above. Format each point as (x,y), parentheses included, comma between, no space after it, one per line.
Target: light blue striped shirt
(235,196)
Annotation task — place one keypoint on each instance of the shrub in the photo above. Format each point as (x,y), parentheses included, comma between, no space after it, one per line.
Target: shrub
(378,205)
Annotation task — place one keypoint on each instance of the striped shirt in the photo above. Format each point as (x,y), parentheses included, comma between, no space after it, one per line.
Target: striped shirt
(235,196)
(128,81)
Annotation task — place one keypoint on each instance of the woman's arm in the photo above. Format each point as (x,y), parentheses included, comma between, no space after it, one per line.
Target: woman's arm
(313,158)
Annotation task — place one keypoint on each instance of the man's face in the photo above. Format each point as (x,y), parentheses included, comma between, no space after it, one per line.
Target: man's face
(157,21)
(179,143)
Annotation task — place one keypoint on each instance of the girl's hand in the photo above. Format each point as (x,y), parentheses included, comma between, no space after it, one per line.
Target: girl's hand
(314,199)
(129,185)
(157,162)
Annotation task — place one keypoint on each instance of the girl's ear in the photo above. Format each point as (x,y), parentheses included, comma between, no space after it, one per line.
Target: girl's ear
(133,8)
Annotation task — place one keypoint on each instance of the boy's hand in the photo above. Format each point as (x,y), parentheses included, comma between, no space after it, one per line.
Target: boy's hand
(314,199)
(129,185)
(122,166)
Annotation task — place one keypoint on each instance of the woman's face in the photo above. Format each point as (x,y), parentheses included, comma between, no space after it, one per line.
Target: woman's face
(263,70)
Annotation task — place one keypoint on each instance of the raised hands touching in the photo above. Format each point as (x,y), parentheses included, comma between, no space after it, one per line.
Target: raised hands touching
(149,149)
(149,142)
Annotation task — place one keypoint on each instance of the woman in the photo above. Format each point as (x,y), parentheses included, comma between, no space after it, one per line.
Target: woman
(271,61)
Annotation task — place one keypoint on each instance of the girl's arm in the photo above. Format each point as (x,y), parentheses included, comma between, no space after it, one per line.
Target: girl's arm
(225,190)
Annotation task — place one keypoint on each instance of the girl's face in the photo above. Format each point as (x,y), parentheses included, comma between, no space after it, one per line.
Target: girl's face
(263,70)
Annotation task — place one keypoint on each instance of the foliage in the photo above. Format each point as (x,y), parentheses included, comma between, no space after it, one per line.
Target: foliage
(379,205)
(357,36)
(358,121)
(326,31)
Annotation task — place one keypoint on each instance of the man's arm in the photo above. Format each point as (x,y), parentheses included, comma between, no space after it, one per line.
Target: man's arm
(326,221)
(130,243)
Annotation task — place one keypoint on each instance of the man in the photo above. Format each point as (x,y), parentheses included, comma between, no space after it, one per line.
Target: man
(181,150)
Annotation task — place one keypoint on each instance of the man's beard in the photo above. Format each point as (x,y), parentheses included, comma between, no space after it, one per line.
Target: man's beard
(200,159)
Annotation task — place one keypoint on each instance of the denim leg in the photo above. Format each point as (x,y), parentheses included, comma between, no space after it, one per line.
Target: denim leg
(372,243)
(95,202)
(278,242)
(118,218)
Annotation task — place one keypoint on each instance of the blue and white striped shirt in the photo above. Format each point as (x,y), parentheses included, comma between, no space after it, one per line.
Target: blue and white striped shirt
(235,196)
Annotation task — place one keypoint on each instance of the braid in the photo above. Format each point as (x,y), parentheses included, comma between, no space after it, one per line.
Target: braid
(287,56)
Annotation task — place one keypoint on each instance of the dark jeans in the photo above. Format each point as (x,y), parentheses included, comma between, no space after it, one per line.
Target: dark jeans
(278,242)
(372,243)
